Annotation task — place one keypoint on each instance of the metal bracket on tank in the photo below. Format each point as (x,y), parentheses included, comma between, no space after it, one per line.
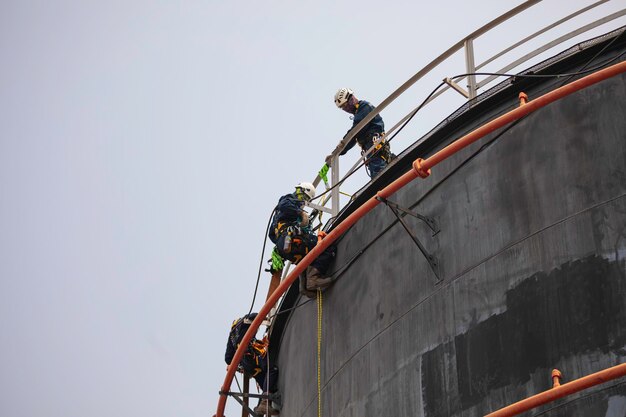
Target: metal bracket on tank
(432,224)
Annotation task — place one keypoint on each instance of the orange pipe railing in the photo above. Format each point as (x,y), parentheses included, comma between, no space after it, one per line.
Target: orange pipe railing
(421,168)
(561,391)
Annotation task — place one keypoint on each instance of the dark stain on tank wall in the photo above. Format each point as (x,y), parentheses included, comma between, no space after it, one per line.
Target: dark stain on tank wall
(579,307)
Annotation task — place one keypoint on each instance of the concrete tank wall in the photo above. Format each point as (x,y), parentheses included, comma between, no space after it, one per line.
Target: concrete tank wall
(532,257)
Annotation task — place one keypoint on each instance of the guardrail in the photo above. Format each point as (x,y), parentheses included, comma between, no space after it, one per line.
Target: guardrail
(473,83)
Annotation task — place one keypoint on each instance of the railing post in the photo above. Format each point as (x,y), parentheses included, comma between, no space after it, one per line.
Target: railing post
(334,179)
(470,67)
(556,378)
(246,390)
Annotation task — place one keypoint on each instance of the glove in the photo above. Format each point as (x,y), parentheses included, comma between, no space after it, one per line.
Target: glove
(324,171)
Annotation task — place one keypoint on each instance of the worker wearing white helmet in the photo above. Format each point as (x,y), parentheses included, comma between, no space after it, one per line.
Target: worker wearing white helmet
(292,235)
(372,134)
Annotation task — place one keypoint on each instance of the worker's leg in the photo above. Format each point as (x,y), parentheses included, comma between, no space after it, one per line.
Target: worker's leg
(268,381)
(375,165)
(314,277)
(316,273)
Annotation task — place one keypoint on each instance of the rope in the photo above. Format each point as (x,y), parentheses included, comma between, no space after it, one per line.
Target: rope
(258,277)
(319,353)
(267,375)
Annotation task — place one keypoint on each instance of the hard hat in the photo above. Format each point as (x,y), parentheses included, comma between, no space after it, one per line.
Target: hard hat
(342,96)
(307,188)
(247,319)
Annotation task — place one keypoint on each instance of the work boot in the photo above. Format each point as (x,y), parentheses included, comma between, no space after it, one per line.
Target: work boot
(315,280)
(302,287)
(264,408)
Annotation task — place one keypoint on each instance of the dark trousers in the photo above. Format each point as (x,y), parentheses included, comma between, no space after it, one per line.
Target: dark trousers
(374,165)
(266,376)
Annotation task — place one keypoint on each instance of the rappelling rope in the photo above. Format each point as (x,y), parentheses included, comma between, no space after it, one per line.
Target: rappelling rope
(268,369)
(319,353)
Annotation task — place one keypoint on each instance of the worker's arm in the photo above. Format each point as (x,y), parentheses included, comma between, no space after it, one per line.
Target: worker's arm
(349,145)
(290,208)
(230,352)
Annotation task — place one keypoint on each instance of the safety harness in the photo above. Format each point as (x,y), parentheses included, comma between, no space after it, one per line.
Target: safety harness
(257,349)
(381,147)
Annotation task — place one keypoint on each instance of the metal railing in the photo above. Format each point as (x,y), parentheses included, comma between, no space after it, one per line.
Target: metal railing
(473,84)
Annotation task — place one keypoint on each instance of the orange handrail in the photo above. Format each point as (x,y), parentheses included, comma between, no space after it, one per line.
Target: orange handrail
(421,168)
(561,391)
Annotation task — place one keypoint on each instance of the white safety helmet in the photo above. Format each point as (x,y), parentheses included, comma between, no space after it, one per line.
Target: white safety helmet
(342,96)
(307,188)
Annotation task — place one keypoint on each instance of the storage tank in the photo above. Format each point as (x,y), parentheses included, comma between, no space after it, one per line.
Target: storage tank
(527,272)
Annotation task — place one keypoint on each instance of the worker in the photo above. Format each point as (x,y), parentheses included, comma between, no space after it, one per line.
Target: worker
(255,362)
(291,233)
(371,135)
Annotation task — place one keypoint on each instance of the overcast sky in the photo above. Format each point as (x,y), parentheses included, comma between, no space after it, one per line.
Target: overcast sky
(143,145)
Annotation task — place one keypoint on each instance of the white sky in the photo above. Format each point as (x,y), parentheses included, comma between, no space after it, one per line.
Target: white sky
(143,146)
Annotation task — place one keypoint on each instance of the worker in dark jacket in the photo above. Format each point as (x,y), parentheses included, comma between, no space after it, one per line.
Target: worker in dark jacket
(255,362)
(291,234)
(371,135)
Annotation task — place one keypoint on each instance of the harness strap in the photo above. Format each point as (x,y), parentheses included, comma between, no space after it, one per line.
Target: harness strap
(381,147)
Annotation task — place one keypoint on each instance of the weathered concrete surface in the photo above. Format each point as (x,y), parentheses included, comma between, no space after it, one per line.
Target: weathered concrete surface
(532,256)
